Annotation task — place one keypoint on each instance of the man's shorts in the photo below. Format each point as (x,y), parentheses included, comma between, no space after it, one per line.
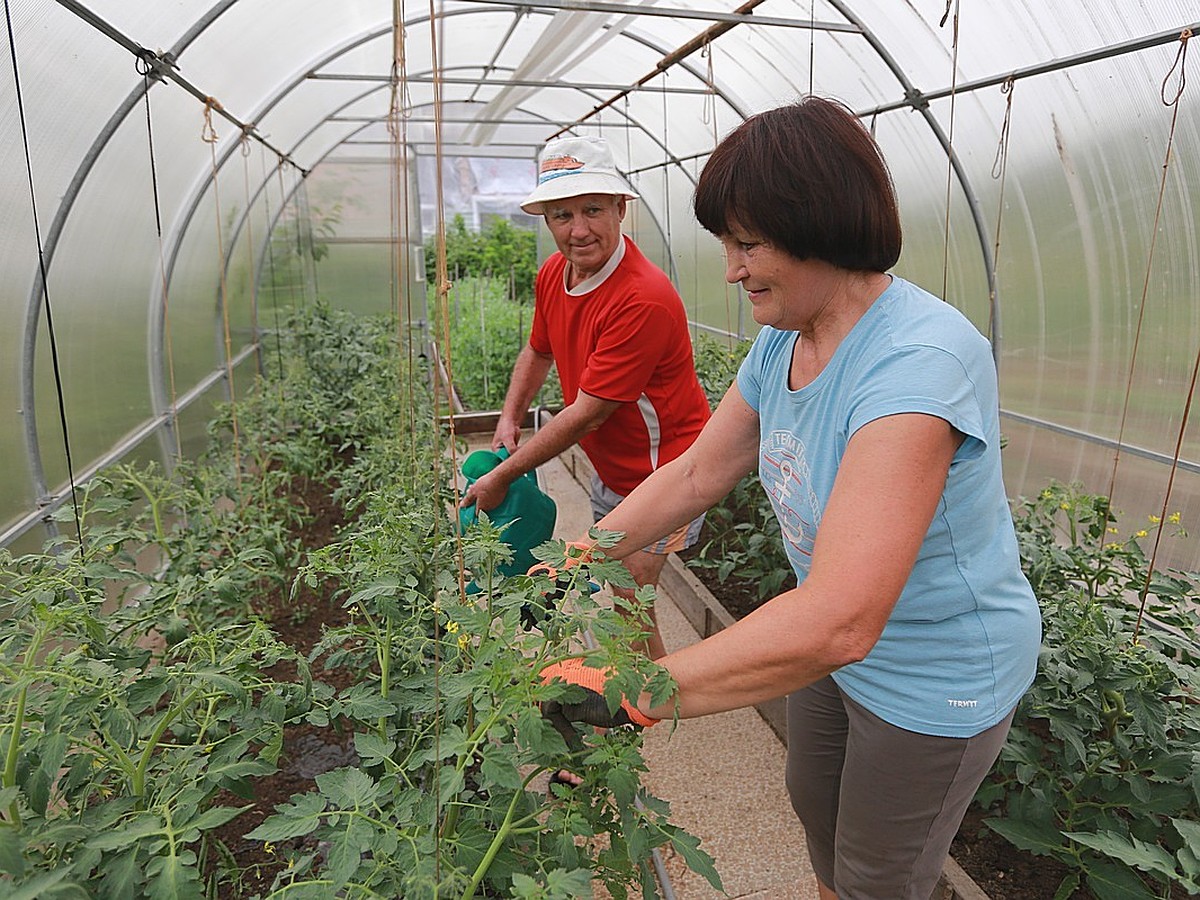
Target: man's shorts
(605,500)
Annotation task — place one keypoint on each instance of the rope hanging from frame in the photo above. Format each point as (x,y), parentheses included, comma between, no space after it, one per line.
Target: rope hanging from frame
(442,289)
(37,233)
(1180,58)
(1000,174)
(950,139)
(208,134)
(709,117)
(251,275)
(1170,96)
(668,238)
(398,200)
(144,69)
(271,265)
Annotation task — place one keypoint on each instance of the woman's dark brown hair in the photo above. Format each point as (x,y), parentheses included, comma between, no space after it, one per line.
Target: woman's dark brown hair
(809,179)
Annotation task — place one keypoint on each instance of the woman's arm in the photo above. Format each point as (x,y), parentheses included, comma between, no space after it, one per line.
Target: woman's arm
(724,451)
(887,490)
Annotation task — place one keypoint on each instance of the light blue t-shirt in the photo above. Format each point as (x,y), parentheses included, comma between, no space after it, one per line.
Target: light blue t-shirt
(961,644)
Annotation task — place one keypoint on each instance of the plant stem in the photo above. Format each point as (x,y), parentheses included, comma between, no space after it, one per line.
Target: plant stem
(10,762)
(139,774)
(497,842)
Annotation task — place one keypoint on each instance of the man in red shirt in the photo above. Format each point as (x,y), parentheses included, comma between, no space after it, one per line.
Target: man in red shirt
(616,328)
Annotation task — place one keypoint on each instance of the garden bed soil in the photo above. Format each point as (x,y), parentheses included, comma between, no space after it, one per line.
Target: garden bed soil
(299,621)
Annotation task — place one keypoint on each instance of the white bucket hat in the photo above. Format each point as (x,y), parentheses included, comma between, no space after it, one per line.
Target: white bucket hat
(573,166)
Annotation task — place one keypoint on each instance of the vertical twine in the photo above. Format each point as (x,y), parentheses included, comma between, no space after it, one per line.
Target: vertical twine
(208,134)
(1170,97)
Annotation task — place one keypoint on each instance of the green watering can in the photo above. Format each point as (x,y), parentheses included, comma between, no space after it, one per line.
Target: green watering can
(526,510)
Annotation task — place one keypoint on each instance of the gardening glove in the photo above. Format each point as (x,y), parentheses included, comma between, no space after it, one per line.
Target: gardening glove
(593,708)
(577,553)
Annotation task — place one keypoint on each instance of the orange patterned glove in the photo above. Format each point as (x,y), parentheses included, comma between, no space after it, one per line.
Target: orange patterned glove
(582,554)
(593,708)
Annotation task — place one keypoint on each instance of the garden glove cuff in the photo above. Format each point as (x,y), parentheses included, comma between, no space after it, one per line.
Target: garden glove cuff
(593,709)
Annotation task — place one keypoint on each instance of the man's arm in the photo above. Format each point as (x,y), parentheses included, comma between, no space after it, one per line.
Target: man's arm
(583,416)
(529,374)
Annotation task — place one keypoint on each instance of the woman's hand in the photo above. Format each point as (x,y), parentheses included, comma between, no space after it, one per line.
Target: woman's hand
(593,708)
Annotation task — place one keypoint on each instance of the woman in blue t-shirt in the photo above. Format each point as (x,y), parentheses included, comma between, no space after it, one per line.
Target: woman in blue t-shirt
(870,408)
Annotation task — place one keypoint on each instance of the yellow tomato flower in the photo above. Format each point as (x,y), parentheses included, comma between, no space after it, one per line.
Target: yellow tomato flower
(451,627)
(1154,520)
(1064,505)
(463,641)
(269,848)
(1141,533)
(1173,518)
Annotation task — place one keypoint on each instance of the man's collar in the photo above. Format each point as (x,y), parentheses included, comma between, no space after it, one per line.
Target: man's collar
(591,283)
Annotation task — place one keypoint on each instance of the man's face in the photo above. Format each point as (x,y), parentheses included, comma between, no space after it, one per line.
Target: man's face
(586,229)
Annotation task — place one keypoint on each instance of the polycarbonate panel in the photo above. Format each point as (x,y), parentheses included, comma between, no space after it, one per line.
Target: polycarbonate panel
(98,288)
(370,266)
(255,47)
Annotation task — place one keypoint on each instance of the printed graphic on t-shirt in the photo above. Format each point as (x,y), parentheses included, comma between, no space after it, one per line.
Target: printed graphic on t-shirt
(783,470)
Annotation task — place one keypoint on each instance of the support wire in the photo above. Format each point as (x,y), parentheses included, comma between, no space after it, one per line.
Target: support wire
(37,232)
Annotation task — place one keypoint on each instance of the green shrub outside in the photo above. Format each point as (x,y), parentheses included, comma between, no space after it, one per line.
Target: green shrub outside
(487,331)
(500,250)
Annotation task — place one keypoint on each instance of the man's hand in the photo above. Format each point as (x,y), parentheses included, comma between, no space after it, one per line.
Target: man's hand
(507,434)
(487,492)
(593,708)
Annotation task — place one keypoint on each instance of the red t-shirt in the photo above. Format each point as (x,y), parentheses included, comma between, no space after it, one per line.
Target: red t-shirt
(625,340)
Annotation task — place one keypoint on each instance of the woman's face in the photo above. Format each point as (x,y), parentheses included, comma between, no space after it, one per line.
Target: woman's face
(773,279)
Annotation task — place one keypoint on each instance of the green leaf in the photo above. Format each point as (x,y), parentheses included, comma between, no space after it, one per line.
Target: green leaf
(46,885)
(1042,840)
(525,887)
(688,846)
(348,788)
(51,752)
(142,827)
(1067,887)
(215,817)
(499,769)
(295,819)
(346,850)
(1189,855)
(1138,854)
(1109,881)
(12,849)
(450,783)
(539,736)
(175,878)
(373,750)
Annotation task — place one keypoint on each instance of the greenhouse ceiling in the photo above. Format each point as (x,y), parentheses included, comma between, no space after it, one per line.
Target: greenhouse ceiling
(152,153)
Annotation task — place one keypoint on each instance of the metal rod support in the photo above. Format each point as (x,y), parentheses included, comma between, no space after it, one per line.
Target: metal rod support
(164,67)
(916,99)
(512,82)
(56,498)
(626,9)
